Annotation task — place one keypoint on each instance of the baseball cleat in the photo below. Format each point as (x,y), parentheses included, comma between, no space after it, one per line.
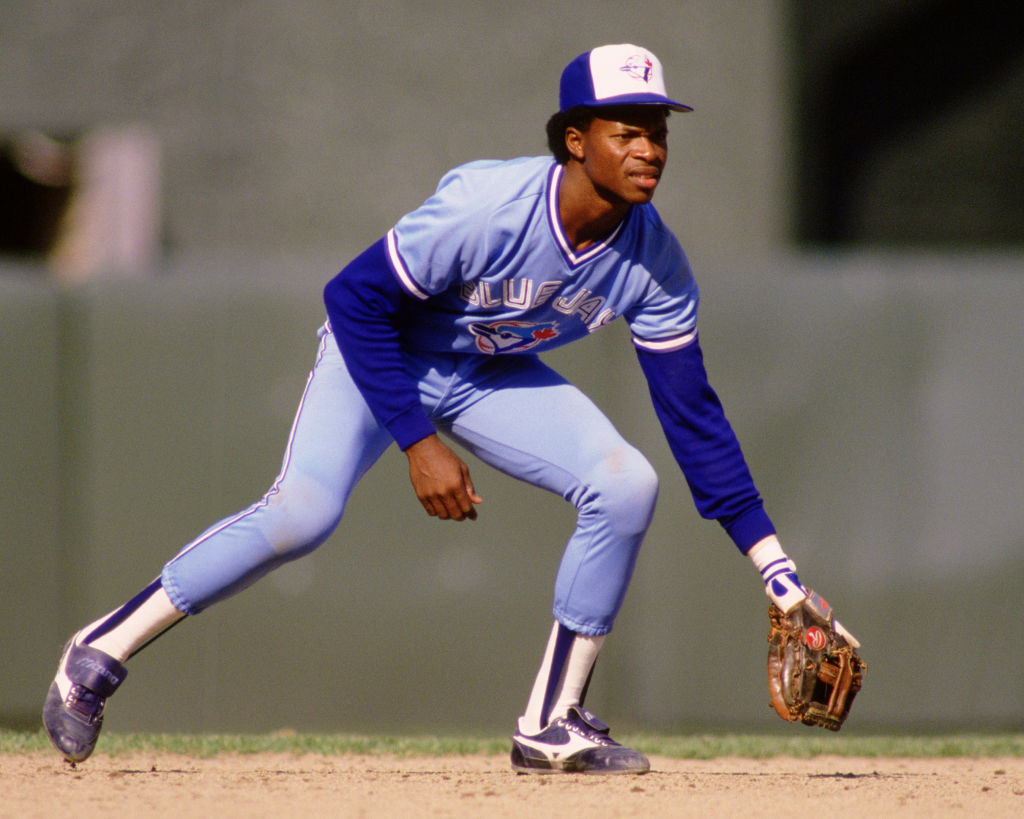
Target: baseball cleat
(576,743)
(73,711)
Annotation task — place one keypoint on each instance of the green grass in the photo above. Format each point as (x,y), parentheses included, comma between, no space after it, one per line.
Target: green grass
(696,746)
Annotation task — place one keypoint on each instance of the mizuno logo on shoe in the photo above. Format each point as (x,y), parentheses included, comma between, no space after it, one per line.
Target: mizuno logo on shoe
(98,668)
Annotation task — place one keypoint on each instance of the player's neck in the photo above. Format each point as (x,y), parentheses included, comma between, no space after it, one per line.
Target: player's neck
(587,215)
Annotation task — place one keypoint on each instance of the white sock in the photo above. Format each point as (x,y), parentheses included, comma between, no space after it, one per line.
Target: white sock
(576,673)
(128,628)
(560,682)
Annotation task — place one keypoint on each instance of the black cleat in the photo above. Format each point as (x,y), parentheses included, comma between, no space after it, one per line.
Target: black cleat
(73,711)
(576,743)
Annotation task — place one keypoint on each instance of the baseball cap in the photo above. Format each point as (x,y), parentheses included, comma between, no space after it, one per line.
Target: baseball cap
(621,74)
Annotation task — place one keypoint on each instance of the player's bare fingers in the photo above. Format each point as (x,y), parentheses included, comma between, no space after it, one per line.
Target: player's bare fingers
(467,483)
(464,514)
(467,508)
(457,506)
(468,500)
(453,511)
(461,506)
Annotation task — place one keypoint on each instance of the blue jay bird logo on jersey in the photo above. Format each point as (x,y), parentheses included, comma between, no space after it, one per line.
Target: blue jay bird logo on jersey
(511,336)
(640,67)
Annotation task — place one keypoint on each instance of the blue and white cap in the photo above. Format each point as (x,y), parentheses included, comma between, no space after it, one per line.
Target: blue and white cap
(621,74)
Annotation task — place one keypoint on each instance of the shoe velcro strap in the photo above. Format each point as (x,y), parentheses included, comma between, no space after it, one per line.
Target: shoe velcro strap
(589,718)
(95,669)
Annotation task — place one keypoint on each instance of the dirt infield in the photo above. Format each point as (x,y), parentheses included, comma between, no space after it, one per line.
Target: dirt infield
(226,786)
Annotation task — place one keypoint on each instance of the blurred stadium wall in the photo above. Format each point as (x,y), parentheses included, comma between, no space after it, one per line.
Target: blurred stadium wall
(871,364)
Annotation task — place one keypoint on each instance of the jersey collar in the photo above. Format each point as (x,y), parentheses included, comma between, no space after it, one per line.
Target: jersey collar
(573,257)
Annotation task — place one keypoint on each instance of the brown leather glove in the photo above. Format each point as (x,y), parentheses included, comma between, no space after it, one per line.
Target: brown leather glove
(814,671)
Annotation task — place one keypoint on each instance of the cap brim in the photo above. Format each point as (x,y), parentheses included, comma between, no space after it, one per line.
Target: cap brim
(639,99)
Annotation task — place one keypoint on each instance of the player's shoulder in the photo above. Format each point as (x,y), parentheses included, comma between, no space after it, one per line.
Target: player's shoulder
(654,238)
(516,167)
(648,219)
(496,179)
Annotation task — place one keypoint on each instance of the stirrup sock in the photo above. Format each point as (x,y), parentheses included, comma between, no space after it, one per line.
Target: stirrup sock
(128,629)
(562,679)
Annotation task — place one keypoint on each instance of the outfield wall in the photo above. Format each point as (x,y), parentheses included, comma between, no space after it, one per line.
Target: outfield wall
(877,397)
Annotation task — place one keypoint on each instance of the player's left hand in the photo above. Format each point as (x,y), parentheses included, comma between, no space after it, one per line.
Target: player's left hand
(441,480)
(783,587)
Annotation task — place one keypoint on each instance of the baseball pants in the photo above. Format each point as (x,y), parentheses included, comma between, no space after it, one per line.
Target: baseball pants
(513,412)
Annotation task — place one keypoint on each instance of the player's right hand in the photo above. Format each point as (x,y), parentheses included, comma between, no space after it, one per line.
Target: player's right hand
(441,480)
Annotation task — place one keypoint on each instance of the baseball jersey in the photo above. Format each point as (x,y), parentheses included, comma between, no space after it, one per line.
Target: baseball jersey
(483,267)
(488,259)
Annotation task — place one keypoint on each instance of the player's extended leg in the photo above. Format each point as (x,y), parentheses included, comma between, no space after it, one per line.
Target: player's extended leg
(530,423)
(333,441)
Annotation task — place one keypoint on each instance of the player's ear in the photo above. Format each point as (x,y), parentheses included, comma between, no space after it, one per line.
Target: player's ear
(574,142)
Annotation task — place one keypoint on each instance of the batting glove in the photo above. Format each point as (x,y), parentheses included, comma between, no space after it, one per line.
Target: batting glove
(778,572)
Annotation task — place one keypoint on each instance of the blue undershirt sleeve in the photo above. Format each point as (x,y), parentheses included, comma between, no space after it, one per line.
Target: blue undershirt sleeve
(363,303)
(704,444)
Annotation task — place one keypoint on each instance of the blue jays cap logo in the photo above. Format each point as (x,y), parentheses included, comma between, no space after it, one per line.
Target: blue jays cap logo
(639,67)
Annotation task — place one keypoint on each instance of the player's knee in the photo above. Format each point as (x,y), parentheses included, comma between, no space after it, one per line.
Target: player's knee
(627,490)
(301,514)
(642,494)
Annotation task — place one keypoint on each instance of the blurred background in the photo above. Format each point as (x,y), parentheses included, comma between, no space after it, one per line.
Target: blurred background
(178,180)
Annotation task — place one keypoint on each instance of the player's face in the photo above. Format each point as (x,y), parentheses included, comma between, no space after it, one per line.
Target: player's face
(624,152)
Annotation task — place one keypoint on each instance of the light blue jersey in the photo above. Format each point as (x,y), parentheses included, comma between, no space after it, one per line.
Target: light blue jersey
(488,258)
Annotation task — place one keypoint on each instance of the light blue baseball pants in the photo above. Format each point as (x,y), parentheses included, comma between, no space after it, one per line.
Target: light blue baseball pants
(513,412)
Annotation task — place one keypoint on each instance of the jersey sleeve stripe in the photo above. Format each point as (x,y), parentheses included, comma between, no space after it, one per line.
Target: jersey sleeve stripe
(401,270)
(665,345)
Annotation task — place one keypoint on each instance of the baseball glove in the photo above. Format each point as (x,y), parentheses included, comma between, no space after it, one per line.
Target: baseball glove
(814,671)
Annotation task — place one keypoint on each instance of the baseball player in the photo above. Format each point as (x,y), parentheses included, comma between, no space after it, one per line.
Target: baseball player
(435,330)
